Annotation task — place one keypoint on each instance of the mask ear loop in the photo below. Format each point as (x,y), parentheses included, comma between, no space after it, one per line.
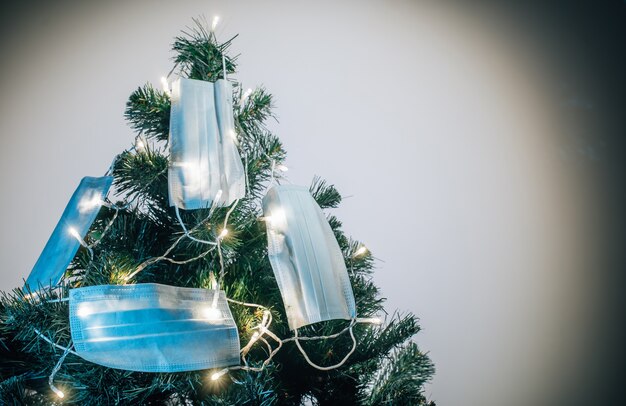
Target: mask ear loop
(296,339)
(186,231)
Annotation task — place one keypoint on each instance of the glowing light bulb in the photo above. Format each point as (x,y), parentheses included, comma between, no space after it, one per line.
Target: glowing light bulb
(219,374)
(223,233)
(83,311)
(140,146)
(58,392)
(166,86)
(216,21)
(212,313)
(277,220)
(362,250)
(370,320)
(74,233)
(89,203)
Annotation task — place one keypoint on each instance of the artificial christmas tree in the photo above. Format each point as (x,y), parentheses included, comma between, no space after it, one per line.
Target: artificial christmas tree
(157,294)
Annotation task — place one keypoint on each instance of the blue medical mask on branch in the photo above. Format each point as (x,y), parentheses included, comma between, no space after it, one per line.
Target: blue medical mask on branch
(203,151)
(306,258)
(79,215)
(153,328)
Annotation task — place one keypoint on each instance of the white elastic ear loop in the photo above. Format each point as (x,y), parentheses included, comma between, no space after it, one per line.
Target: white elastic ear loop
(306,357)
(186,231)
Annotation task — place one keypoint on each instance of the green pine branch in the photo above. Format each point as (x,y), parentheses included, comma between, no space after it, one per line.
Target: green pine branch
(200,56)
(148,112)
(401,379)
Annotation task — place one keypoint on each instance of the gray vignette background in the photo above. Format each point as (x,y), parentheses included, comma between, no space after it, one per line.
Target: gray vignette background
(479,145)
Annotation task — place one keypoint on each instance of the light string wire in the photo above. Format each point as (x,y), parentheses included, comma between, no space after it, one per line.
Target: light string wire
(56,368)
(66,350)
(46,339)
(263,329)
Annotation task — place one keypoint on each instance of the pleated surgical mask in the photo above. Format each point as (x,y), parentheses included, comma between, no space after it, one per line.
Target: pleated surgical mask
(306,258)
(203,153)
(77,218)
(153,328)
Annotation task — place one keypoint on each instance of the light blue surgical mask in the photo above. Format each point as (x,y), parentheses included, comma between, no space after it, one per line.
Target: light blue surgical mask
(306,258)
(153,328)
(79,215)
(204,162)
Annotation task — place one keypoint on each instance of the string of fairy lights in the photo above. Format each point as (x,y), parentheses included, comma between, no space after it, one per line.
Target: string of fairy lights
(262,332)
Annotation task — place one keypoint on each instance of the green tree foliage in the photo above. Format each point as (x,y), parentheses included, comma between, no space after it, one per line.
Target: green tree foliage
(386,368)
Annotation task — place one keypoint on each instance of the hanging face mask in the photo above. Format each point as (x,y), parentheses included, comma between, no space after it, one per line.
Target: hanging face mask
(306,258)
(80,213)
(153,328)
(203,151)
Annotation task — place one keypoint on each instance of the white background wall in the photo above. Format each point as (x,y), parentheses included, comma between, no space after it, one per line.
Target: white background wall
(436,120)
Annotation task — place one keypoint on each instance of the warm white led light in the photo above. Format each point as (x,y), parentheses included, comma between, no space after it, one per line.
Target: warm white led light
(212,313)
(75,234)
(362,250)
(216,21)
(278,219)
(83,311)
(219,374)
(223,233)
(89,203)
(58,392)
(140,146)
(370,320)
